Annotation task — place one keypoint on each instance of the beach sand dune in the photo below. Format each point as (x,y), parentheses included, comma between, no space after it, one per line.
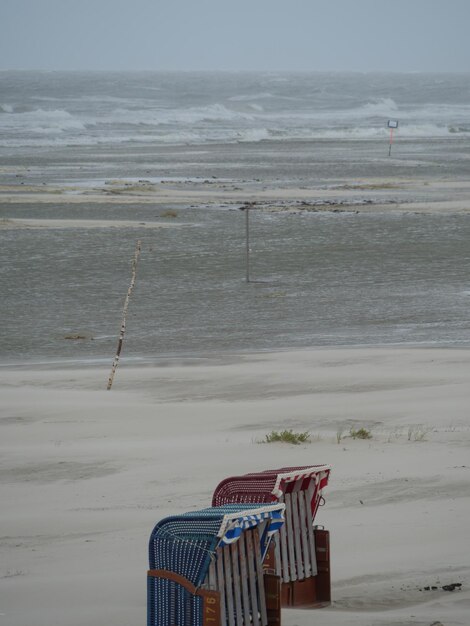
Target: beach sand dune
(86,473)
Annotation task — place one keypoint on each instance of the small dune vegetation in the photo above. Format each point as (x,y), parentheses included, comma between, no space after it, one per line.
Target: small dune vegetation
(287,436)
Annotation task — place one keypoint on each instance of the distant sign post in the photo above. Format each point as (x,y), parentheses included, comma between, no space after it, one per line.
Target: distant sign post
(392,124)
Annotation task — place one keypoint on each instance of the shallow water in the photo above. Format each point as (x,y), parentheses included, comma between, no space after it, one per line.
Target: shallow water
(318,279)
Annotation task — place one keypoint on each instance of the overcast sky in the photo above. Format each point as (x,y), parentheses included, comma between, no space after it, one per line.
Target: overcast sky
(358,35)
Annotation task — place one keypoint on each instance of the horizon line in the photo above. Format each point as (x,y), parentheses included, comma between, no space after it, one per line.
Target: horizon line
(232,71)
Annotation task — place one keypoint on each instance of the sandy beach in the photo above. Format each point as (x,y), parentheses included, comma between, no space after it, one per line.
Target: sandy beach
(86,473)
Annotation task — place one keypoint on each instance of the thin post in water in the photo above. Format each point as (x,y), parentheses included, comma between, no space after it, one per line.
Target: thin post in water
(247,227)
(124,315)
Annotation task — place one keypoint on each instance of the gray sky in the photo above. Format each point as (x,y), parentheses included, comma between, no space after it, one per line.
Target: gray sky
(362,35)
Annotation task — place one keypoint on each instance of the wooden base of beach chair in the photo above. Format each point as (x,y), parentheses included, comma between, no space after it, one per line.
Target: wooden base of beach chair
(272,589)
(303,594)
(315,591)
(211,614)
(211,601)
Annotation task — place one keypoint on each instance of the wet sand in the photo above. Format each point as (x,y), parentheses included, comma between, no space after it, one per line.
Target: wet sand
(405,195)
(15,223)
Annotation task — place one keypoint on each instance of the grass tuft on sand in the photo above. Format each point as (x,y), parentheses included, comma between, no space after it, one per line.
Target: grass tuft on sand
(287,436)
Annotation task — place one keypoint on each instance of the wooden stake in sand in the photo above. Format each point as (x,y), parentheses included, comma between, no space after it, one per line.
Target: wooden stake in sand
(124,315)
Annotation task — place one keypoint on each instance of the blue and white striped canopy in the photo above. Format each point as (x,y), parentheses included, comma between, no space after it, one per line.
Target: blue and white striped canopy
(185,543)
(235,523)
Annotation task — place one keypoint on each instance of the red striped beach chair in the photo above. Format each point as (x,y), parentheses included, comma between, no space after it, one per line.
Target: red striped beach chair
(300,554)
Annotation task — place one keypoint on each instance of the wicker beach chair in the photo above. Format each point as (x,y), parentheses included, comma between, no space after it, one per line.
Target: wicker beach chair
(300,555)
(206,568)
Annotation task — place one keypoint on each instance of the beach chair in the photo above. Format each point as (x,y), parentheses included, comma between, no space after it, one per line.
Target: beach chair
(300,554)
(206,568)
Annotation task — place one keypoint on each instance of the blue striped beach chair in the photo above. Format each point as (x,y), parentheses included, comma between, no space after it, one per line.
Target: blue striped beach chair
(206,568)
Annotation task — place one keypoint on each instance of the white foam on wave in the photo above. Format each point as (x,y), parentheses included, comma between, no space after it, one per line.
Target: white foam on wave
(142,113)
(52,140)
(349,133)
(156,117)
(219,123)
(380,107)
(430,130)
(445,113)
(176,138)
(230,135)
(373,132)
(264,96)
(385,108)
(41,121)
(254,134)
(250,97)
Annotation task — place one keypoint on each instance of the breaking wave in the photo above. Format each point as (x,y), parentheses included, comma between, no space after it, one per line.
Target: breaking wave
(381,107)
(41,121)
(249,98)
(193,115)
(95,120)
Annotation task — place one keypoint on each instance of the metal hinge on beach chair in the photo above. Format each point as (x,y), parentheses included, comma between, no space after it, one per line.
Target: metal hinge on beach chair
(300,554)
(206,568)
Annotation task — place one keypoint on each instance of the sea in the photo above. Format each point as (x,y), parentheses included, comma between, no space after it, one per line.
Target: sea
(317,278)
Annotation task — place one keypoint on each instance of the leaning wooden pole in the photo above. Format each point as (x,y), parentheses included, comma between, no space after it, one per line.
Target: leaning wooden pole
(124,315)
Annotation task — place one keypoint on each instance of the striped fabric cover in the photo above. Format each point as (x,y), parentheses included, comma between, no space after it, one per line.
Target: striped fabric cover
(300,489)
(186,544)
(272,485)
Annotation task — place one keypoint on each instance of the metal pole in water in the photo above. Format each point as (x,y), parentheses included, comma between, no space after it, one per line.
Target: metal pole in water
(247,227)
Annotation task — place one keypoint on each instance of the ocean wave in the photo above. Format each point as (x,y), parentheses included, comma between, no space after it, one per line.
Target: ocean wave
(160,117)
(386,108)
(219,123)
(41,121)
(250,97)
(380,107)
(227,135)
(254,135)
(445,113)
(404,131)
(430,120)
(350,133)
(83,139)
